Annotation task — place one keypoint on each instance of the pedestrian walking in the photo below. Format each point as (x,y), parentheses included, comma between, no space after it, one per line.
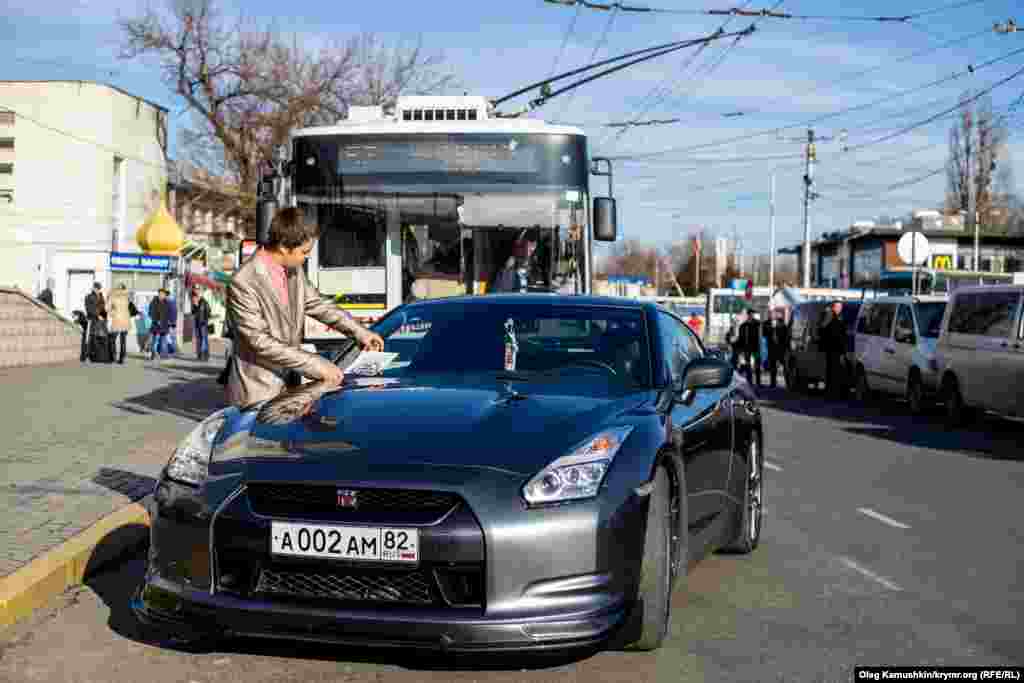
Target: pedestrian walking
(46,296)
(776,333)
(159,316)
(120,320)
(268,301)
(142,325)
(696,324)
(201,322)
(96,317)
(172,326)
(750,347)
(834,343)
(732,338)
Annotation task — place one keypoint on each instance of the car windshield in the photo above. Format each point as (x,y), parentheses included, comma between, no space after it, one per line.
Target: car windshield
(521,339)
(929,318)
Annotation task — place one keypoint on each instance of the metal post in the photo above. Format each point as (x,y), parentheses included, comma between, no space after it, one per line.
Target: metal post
(808,180)
(771,231)
(977,249)
(913,263)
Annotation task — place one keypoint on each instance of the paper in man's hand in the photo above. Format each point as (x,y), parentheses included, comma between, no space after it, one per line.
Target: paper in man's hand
(371,363)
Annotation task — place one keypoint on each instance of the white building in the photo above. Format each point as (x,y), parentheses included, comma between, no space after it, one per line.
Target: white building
(82,165)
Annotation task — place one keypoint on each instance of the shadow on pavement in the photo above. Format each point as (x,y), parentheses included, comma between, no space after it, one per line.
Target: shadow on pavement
(988,436)
(183,395)
(117,586)
(129,484)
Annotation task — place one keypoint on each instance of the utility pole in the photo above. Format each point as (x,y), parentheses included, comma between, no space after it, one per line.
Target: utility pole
(771,232)
(808,182)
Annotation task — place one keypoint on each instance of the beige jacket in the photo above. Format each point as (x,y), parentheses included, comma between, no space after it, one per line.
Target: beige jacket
(268,336)
(117,310)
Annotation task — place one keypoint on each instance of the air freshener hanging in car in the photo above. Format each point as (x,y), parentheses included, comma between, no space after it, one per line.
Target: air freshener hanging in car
(511,345)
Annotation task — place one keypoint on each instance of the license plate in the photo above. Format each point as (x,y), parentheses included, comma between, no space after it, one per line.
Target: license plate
(355,543)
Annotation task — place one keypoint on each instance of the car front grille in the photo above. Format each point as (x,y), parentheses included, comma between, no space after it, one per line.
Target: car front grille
(289,500)
(398,587)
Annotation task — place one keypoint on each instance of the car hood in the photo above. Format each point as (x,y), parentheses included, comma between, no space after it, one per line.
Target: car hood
(517,428)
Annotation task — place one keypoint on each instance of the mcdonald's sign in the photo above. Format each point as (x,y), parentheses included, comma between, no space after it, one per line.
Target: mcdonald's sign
(942,262)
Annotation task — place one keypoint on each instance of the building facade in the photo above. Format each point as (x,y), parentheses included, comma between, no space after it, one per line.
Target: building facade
(82,165)
(856,257)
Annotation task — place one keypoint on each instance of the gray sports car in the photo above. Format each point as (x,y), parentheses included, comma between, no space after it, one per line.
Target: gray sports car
(528,472)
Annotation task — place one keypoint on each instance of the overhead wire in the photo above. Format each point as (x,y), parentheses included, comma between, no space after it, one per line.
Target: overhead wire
(565,41)
(601,42)
(824,117)
(651,101)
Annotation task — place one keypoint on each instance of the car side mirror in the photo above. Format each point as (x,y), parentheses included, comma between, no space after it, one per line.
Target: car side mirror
(605,225)
(905,336)
(705,373)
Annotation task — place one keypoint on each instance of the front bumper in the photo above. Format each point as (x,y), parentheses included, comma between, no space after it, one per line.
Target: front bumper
(545,579)
(194,614)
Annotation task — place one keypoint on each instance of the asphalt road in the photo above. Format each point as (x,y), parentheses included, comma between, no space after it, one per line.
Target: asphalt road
(888,541)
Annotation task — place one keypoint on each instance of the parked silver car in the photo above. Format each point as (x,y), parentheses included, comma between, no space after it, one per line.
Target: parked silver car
(894,348)
(980,352)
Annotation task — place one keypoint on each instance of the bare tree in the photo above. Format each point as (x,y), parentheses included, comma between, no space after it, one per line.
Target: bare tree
(977,153)
(247,86)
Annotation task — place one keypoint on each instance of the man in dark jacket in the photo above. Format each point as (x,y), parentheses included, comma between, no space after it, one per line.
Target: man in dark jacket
(160,319)
(95,313)
(834,344)
(750,346)
(201,318)
(776,334)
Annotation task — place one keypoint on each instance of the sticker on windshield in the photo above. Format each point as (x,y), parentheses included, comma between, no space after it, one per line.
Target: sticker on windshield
(511,345)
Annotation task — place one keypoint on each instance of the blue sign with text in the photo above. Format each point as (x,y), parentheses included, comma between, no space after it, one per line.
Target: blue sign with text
(126,261)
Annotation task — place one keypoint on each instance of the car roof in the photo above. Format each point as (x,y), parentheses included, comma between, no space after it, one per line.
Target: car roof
(981,289)
(903,299)
(541,299)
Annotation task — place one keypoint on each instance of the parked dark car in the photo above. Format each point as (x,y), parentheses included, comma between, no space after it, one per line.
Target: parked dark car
(532,472)
(805,364)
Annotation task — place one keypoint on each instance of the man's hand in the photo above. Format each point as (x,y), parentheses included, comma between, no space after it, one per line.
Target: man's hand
(370,340)
(333,375)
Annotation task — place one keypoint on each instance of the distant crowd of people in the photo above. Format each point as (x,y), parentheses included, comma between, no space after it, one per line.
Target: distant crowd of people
(108,318)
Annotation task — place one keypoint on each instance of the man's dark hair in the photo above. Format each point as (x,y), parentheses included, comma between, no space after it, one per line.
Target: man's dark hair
(290,229)
(97,286)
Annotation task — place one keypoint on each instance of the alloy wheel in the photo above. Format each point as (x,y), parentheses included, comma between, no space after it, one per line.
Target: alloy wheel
(755,492)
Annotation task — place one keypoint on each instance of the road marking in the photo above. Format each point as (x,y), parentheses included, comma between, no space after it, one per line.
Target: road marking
(882,518)
(773,467)
(870,574)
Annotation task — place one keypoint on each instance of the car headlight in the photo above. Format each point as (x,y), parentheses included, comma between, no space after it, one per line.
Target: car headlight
(579,473)
(190,463)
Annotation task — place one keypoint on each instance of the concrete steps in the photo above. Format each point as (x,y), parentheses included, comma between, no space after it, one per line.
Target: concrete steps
(31,333)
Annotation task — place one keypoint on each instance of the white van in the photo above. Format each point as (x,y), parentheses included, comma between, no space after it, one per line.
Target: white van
(980,352)
(894,348)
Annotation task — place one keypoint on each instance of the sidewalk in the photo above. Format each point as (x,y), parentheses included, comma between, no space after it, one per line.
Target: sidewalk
(82,443)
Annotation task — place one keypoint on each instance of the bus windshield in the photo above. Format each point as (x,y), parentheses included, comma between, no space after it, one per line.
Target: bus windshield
(459,213)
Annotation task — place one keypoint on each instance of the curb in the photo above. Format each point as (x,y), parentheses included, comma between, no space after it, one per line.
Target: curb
(71,562)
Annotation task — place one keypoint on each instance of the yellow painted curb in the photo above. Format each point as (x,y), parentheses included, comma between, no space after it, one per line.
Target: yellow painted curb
(65,566)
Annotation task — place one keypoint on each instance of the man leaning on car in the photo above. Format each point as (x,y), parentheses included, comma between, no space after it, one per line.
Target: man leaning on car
(268,300)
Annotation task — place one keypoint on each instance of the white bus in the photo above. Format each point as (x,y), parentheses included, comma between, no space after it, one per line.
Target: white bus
(430,200)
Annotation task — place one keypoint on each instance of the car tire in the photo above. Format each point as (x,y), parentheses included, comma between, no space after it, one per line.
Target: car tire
(915,394)
(862,392)
(647,625)
(957,414)
(751,518)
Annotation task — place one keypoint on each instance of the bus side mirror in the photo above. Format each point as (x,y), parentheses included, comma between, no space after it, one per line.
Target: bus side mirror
(604,219)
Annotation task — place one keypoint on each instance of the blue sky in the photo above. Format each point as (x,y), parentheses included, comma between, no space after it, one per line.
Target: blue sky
(690,174)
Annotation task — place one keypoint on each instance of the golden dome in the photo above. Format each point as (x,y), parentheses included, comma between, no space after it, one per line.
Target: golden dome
(160,234)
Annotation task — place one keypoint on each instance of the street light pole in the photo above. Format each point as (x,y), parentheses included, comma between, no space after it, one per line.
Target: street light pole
(771,232)
(808,180)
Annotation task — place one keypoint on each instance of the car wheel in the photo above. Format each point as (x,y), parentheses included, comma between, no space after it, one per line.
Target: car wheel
(648,622)
(793,381)
(915,394)
(863,390)
(957,413)
(751,515)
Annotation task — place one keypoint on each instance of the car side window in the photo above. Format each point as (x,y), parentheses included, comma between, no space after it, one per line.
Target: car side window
(679,345)
(904,332)
(885,315)
(992,314)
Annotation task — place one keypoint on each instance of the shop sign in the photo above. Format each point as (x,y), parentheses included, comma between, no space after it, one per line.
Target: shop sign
(145,262)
